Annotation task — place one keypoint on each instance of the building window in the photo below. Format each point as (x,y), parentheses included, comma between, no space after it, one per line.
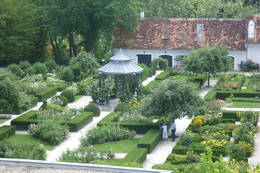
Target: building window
(199,32)
(251,30)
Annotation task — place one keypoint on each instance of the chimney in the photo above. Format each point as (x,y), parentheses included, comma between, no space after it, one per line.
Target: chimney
(142,15)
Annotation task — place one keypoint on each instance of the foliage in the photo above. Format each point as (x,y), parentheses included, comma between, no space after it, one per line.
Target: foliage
(59,100)
(83,65)
(105,134)
(85,155)
(51,132)
(133,116)
(24,65)
(40,68)
(248,117)
(15,69)
(249,66)
(22,36)
(173,98)
(186,139)
(122,107)
(92,108)
(244,133)
(208,60)
(162,63)
(67,74)
(216,104)
(51,65)
(69,94)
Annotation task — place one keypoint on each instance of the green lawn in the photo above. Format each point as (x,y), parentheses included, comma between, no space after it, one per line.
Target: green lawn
(118,147)
(3,120)
(25,139)
(244,105)
(115,162)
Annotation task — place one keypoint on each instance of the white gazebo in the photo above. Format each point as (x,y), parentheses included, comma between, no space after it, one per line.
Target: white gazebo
(126,74)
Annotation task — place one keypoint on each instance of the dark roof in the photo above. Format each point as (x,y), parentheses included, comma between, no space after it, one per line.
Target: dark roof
(181,34)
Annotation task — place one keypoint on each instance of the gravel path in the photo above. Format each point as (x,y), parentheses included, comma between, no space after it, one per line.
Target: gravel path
(150,79)
(205,89)
(255,158)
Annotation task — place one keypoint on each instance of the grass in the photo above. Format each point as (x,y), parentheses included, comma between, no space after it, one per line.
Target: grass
(77,97)
(118,147)
(115,162)
(25,139)
(3,120)
(244,105)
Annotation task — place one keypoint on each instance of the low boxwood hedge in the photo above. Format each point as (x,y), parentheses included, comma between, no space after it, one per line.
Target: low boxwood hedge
(230,115)
(79,121)
(150,139)
(140,128)
(137,155)
(162,75)
(244,99)
(179,149)
(22,122)
(224,94)
(6,131)
(49,92)
(110,118)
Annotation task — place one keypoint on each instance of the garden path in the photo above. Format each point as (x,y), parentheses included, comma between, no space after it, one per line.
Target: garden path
(164,148)
(80,103)
(73,141)
(241,109)
(149,79)
(255,157)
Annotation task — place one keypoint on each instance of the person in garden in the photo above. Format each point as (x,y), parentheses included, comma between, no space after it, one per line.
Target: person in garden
(173,130)
(165,133)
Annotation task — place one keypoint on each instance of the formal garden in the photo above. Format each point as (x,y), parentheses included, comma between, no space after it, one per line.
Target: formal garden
(118,123)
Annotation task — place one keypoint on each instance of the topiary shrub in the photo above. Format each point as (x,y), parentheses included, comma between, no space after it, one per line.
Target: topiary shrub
(69,94)
(67,74)
(59,100)
(24,65)
(29,70)
(122,107)
(40,68)
(92,108)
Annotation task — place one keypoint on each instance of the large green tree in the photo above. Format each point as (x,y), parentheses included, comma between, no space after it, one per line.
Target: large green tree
(208,60)
(21,35)
(175,99)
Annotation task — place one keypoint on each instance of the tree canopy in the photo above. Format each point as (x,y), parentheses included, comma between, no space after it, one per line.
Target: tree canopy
(208,60)
(175,99)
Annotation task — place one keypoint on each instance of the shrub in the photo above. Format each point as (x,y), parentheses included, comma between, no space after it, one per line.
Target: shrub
(176,158)
(24,64)
(47,93)
(186,139)
(85,155)
(6,131)
(22,151)
(51,132)
(29,71)
(137,155)
(50,64)
(243,133)
(216,104)
(67,74)
(122,107)
(40,68)
(15,69)
(213,118)
(105,134)
(163,63)
(92,108)
(248,117)
(69,94)
(79,121)
(238,152)
(150,140)
(59,100)
(162,76)
(110,118)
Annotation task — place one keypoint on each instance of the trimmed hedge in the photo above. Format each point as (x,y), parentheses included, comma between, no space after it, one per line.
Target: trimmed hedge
(110,118)
(224,94)
(6,131)
(150,139)
(79,121)
(162,75)
(49,92)
(230,115)
(179,149)
(137,155)
(241,99)
(139,128)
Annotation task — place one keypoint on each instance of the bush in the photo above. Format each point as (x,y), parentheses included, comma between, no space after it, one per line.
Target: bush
(85,155)
(238,152)
(6,131)
(224,94)
(47,93)
(29,71)
(40,68)
(69,94)
(248,117)
(51,132)
(59,100)
(50,64)
(163,63)
(243,133)
(150,140)
(216,104)
(176,158)
(186,139)
(79,121)
(122,108)
(168,166)
(110,118)
(22,151)
(67,74)
(211,95)
(24,65)
(106,134)
(15,69)
(137,155)
(92,108)
(162,76)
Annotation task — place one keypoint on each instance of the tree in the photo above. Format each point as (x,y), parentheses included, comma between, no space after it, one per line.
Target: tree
(21,36)
(174,98)
(208,60)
